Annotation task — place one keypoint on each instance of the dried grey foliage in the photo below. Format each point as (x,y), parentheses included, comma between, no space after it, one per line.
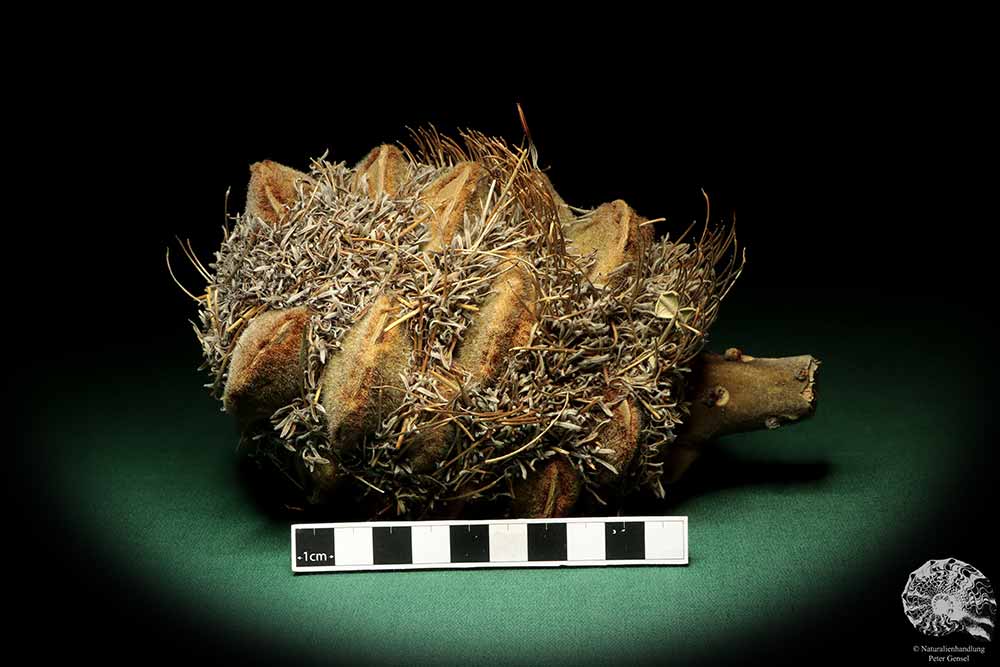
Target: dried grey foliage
(337,249)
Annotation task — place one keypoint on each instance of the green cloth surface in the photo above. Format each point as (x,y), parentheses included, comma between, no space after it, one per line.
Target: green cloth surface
(782,524)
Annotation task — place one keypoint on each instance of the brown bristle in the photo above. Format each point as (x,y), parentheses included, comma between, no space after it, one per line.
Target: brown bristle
(462,334)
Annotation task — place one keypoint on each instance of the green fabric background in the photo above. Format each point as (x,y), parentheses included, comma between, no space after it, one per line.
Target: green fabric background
(783,525)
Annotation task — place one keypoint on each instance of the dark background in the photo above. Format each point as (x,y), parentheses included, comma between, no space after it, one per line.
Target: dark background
(856,184)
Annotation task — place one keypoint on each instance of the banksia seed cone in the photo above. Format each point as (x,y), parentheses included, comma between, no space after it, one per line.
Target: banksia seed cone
(437,326)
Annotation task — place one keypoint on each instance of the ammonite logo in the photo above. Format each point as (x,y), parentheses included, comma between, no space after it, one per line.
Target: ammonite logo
(946,596)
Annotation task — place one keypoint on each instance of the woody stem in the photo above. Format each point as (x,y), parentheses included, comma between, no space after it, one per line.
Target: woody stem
(735,392)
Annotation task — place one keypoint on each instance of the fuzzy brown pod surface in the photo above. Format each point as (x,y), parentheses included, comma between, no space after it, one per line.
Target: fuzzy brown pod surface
(434,330)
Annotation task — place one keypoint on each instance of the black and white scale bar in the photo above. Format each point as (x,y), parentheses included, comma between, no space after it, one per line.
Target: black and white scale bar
(419,545)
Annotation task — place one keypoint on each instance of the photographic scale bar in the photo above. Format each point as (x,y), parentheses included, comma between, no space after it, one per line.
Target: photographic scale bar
(424,545)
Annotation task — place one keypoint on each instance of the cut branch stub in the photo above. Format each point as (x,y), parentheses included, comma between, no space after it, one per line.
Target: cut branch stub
(735,392)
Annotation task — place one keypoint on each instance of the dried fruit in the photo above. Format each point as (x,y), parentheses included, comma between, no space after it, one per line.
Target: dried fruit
(436,325)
